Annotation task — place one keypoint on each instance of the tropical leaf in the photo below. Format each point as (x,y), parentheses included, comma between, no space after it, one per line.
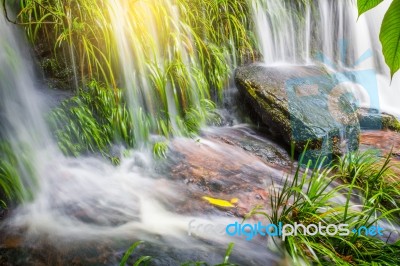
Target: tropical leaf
(390,37)
(365,5)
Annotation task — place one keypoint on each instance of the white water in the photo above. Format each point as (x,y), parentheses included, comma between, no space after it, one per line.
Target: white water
(144,32)
(21,108)
(75,197)
(289,37)
(88,199)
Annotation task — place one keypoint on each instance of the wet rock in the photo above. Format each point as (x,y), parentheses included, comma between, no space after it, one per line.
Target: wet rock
(219,170)
(373,119)
(385,142)
(299,104)
(251,141)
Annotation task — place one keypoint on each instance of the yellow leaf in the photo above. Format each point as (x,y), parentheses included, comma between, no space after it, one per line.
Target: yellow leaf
(220,202)
(234,200)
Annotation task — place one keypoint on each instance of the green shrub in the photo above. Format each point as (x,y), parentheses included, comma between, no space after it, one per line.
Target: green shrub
(311,196)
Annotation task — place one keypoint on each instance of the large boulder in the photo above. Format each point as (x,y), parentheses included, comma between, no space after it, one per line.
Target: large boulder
(302,104)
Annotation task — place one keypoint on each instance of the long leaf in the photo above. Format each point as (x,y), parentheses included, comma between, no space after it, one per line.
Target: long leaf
(390,37)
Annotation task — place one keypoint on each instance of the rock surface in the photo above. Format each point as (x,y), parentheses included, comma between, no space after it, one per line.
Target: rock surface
(372,119)
(385,142)
(301,104)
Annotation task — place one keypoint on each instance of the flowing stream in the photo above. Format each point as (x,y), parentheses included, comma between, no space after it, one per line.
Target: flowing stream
(86,205)
(331,33)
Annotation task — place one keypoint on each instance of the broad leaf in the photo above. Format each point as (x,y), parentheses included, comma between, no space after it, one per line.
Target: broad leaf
(390,37)
(365,5)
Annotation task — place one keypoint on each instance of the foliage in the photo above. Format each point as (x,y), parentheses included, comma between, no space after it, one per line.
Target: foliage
(91,121)
(312,197)
(144,260)
(180,52)
(365,5)
(10,184)
(389,33)
(95,119)
(160,149)
(12,187)
(380,185)
(79,26)
(390,37)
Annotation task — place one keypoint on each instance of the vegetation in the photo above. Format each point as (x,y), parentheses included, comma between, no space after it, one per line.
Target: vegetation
(91,121)
(313,196)
(12,187)
(390,31)
(318,195)
(366,170)
(144,260)
(94,119)
(172,67)
(175,72)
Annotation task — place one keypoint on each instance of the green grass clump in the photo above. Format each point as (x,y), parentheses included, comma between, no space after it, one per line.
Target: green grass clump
(98,117)
(182,54)
(13,189)
(145,260)
(160,149)
(373,175)
(92,120)
(310,197)
(10,183)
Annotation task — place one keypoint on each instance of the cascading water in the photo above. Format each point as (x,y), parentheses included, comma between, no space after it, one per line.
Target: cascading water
(67,186)
(21,108)
(87,198)
(326,32)
(144,63)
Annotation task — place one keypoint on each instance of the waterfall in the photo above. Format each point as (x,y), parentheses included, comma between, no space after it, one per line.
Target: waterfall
(152,41)
(88,198)
(71,197)
(21,109)
(329,32)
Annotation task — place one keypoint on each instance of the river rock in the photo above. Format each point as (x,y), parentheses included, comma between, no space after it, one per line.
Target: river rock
(373,119)
(301,104)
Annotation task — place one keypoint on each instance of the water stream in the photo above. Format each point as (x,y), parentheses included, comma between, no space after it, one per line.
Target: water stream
(86,203)
(331,33)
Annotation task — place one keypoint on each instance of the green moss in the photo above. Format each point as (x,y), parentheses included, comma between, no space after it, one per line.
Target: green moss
(273,115)
(390,122)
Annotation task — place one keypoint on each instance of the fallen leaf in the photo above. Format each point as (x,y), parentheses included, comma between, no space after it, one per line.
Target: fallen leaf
(220,202)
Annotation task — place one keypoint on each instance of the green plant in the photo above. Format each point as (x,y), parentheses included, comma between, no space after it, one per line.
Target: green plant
(144,260)
(160,149)
(13,169)
(91,121)
(10,183)
(311,198)
(225,262)
(389,33)
(173,67)
(94,119)
(80,28)
(373,175)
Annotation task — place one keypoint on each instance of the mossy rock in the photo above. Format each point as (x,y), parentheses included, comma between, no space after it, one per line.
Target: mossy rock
(373,119)
(300,105)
